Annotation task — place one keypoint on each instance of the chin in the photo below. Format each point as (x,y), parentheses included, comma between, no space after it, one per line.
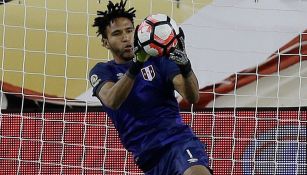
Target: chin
(128,57)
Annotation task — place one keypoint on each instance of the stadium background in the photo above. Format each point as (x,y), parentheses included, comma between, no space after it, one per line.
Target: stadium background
(249,57)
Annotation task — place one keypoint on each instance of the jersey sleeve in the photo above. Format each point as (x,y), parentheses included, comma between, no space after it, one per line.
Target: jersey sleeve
(100,74)
(170,68)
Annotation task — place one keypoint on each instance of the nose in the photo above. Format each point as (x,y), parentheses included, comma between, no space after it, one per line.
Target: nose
(125,37)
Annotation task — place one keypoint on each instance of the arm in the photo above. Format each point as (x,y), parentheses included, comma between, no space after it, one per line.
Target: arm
(114,94)
(185,83)
(187,87)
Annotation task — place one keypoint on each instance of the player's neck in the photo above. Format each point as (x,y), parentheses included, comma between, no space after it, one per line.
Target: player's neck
(120,60)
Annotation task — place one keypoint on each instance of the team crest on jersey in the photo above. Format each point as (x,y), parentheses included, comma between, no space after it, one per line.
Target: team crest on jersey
(148,73)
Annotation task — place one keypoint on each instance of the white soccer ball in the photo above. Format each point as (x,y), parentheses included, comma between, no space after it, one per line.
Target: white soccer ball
(157,34)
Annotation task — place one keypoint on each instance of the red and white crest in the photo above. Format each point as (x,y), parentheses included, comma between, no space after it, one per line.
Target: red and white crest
(148,73)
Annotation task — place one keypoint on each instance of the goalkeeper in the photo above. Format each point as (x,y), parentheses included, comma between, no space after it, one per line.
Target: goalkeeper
(138,96)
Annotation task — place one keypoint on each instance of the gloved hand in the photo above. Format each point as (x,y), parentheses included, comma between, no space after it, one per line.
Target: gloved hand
(179,56)
(140,57)
(139,52)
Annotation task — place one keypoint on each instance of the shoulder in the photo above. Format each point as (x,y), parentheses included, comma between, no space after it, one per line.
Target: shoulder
(102,66)
(101,72)
(162,60)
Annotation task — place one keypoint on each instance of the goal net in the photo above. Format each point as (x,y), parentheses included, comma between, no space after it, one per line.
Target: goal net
(249,57)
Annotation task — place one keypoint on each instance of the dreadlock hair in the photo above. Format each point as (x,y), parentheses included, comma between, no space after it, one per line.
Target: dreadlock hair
(114,11)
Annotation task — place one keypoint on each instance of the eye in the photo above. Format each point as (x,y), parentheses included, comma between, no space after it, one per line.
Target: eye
(130,30)
(116,33)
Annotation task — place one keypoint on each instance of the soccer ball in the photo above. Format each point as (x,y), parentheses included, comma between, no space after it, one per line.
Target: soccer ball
(157,34)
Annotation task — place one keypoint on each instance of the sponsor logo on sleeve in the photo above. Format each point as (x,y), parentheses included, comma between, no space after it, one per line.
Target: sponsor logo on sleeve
(94,80)
(120,75)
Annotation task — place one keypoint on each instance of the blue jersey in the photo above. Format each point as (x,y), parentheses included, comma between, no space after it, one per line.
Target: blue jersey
(149,118)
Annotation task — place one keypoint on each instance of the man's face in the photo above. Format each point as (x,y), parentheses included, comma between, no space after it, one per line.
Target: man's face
(120,37)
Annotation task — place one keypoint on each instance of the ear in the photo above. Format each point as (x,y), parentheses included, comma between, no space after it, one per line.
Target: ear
(105,43)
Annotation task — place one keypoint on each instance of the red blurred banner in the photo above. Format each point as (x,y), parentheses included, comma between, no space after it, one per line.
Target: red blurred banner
(239,141)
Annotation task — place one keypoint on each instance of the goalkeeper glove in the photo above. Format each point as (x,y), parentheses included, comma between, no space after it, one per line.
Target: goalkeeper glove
(140,56)
(179,55)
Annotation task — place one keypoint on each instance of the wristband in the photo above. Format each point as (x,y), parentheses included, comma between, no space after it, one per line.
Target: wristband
(134,69)
(185,69)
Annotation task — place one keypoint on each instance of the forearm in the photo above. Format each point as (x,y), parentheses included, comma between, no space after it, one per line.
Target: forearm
(191,88)
(114,95)
(186,83)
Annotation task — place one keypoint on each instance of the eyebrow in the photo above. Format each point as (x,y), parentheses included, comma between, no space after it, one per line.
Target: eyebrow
(118,30)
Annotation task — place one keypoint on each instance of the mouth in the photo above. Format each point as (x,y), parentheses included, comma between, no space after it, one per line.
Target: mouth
(128,48)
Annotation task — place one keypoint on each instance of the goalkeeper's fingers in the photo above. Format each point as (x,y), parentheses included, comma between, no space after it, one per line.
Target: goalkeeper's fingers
(139,52)
(180,38)
(136,42)
(141,56)
(178,56)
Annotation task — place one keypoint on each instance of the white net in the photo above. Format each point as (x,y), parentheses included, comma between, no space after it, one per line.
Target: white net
(253,121)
